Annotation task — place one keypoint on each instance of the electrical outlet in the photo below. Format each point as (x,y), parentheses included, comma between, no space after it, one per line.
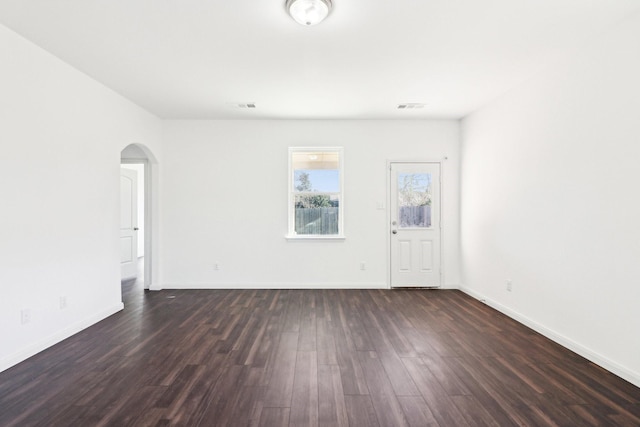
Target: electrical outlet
(63,302)
(363,266)
(216,266)
(509,285)
(25,316)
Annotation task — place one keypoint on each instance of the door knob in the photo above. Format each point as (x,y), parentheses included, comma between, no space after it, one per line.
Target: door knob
(395,231)
(135,228)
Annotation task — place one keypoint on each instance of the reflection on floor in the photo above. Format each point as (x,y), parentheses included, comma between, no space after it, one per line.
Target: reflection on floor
(134,287)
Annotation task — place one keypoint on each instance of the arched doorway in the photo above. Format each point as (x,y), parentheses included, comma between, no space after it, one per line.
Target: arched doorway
(139,157)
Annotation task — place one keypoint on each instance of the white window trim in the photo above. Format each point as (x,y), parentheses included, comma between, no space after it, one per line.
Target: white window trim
(291,234)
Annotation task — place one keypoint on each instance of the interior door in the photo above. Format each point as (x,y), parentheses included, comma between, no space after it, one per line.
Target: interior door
(415,225)
(128,224)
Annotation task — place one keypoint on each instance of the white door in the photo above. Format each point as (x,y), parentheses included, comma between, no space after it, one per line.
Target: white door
(128,224)
(415,225)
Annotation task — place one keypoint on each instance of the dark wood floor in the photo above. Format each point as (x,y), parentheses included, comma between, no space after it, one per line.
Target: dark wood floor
(312,357)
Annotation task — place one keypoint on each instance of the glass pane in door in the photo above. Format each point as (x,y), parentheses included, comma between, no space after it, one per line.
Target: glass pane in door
(414,200)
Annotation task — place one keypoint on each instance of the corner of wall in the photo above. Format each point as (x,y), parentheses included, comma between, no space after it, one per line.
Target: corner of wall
(57,337)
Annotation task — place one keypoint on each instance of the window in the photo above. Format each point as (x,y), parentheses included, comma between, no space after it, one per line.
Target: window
(414,200)
(316,202)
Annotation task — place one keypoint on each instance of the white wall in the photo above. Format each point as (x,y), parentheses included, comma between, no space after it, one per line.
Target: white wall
(550,200)
(61,134)
(225,201)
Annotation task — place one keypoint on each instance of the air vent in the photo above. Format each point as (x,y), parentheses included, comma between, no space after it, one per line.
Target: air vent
(242,104)
(410,106)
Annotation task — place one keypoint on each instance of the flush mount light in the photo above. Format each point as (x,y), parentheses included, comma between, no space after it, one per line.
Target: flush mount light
(308,12)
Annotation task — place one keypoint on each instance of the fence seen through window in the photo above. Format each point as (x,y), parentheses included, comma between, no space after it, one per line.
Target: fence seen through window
(414,200)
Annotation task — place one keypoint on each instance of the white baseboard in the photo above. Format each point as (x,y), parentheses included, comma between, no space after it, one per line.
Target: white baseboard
(207,285)
(280,285)
(598,359)
(55,338)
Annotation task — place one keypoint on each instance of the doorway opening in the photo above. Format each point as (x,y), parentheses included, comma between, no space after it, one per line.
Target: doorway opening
(132,224)
(137,176)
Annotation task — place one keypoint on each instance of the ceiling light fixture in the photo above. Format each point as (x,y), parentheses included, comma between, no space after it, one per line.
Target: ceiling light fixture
(308,12)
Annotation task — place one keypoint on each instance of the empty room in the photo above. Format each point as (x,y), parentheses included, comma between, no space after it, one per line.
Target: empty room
(320,213)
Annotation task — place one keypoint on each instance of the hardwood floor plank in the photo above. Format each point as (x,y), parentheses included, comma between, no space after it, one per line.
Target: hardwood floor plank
(304,402)
(417,411)
(224,397)
(400,380)
(264,349)
(421,343)
(202,358)
(400,344)
(248,406)
(385,402)
(590,415)
(250,330)
(293,313)
(494,368)
(332,411)
(353,323)
(326,344)
(360,411)
(397,374)
(596,380)
(624,420)
(497,400)
(187,374)
(351,373)
(448,379)
(125,412)
(441,344)
(148,417)
(190,409)
(274,417)
(280,385)
(474,412)
(601,396)
(547,407)
(308,336)
(552,384)
(441,405)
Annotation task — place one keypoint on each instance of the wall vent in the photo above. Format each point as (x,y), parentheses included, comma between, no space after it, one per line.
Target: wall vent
(410,106)
(242,104)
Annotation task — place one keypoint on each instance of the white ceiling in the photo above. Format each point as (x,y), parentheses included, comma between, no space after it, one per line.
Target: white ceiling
(192,58)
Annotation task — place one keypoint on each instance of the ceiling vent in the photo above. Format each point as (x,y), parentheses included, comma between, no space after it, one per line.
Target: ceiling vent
(410,106)
(242,105)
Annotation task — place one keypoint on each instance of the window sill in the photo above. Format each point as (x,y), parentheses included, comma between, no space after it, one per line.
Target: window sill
(299,237)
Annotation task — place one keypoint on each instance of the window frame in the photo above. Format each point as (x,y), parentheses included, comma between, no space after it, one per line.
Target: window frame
(291,233)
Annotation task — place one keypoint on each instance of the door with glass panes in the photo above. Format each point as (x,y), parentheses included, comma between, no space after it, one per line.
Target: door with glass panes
(415,224)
